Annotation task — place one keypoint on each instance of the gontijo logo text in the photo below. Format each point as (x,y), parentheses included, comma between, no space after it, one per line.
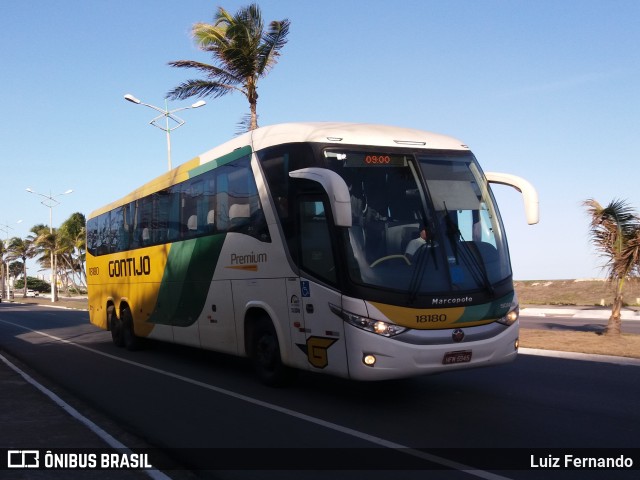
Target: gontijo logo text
(130,267)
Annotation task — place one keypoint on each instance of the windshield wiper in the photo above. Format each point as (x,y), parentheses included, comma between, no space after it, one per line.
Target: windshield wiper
(470,256)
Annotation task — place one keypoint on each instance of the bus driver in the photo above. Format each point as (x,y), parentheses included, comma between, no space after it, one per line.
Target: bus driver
(417,243)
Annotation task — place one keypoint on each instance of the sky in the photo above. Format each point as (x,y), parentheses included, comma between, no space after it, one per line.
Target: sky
(548,90)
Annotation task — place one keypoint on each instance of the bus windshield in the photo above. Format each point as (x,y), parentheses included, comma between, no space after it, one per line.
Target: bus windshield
(423,223)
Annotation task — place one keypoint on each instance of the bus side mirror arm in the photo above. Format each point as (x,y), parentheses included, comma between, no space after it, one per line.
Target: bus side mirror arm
(529,193)
(336,189)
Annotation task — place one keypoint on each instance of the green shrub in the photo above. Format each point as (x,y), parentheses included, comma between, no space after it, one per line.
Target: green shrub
(33,284)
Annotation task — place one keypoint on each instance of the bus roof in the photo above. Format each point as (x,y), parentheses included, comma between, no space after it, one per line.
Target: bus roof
(317,132)
(354,134)
(338,133)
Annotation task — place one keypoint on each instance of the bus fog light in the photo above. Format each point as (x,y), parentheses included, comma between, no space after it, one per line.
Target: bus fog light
(369,360)
(516,344)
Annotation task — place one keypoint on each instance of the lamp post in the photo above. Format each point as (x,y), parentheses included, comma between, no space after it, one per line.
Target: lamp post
(167,115)
(50,202)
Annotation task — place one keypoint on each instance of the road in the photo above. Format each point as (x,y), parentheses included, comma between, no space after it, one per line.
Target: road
(579,319)
(184,400)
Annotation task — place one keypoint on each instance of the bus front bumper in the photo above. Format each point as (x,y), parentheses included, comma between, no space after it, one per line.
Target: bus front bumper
(374,357)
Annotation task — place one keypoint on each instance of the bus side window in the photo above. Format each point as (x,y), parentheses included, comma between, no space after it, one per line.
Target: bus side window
(192,197)
(315,240)
(209,202)
(239,215)
(172,214)
(160,216)
(134,224)
(103,234)
(92,234)
(145,220)
(237,203)
(119,240)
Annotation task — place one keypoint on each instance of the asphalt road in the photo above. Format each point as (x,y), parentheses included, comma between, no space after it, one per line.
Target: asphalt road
(577,319)
(184,400)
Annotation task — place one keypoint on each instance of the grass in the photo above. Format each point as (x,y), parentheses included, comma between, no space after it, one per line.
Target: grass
(627,345)
(542,292)
(574,292)
(580,294)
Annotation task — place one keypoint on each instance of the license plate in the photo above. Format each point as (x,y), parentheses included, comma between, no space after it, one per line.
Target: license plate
(461,356)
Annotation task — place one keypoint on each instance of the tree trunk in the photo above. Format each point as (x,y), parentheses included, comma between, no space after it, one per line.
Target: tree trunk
(24,274)
(614,326)
(254,115)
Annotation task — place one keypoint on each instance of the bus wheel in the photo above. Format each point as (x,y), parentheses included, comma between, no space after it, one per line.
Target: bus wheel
(115,325)
(129,338)
(265,353)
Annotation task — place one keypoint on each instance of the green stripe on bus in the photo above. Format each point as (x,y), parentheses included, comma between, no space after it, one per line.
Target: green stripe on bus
(492,310)
(186,280)
(218,162)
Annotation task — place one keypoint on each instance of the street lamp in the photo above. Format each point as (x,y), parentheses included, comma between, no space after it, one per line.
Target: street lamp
(50,202)
(167,115)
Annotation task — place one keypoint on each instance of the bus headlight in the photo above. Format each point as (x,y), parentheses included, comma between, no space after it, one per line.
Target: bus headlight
(512,315)
(375,326)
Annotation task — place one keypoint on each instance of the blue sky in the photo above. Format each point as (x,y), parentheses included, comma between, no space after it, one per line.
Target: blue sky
(548,90)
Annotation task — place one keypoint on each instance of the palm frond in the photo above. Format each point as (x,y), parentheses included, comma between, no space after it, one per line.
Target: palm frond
(199,88)
(212,72)
(222,17)
(614,231)
(244,125)
(210,37)
(247,24)
(272,42)
(628,261)
(621,214)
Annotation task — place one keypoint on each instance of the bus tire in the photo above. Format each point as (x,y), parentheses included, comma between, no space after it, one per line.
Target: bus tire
(265,355)
(115,325)
(130,340)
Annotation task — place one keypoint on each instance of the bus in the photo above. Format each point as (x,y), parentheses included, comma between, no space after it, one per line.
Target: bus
(362,251)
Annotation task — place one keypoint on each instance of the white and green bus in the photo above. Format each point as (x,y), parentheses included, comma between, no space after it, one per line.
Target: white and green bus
(363,251)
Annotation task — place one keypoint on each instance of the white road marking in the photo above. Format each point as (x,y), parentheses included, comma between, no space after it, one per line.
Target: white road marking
(286,411)
(107,438)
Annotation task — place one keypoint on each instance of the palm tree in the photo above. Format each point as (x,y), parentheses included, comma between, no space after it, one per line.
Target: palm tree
(21,248)
(243,51)
(615,232)
(73,247)
(4,266)
(48,244)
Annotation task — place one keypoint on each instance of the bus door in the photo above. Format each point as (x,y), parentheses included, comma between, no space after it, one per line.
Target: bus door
(217,324)
(324,343)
